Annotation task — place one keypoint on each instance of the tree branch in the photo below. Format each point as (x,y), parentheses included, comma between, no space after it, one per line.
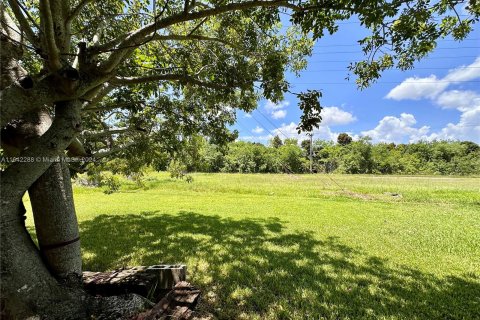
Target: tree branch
(178,37)
(113,106)
(96,95)
(60,10)
(24,25)
(19,176)
(96,135)
(167,77)
(25,11)
(16,100)
(134,39)
(114,150)
(49,35)
(108,45)
(78,9)
(10,42)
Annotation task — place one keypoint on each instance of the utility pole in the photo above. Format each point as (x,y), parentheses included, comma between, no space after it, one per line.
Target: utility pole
(311,152)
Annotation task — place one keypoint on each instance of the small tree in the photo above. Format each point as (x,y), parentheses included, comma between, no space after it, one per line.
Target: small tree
(357,157)
(305,144)
(292,159)
(344,139)
(291,141)
(276,142)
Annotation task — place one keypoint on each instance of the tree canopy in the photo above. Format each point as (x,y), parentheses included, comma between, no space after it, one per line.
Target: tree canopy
(148,73)
(357,157)
(344,139)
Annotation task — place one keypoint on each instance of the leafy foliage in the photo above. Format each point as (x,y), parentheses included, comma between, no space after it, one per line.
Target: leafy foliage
(355,157)
(310,106)
(276,142)
(344,139)
(176,69)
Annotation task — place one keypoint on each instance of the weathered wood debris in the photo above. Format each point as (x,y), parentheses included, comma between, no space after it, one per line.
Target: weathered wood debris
(179,304)
(150,282)
(162,284)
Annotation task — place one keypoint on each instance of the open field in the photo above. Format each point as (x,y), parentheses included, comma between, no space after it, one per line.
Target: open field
(299,246)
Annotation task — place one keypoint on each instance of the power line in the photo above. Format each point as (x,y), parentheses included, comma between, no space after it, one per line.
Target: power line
(273,125)
(388,82)
(356,45)
(287,137)
(241,125)
(423,59)
(433,68)
(261,125)
(337,52)
(358,22)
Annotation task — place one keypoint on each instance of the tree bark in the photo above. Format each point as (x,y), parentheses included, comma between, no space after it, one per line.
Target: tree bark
(27,287)
(51,198)
(56,224)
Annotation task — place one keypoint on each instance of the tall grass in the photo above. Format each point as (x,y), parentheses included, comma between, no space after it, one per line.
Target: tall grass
(299,246)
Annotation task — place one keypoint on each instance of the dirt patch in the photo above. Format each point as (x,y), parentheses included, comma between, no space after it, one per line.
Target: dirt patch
(355,195)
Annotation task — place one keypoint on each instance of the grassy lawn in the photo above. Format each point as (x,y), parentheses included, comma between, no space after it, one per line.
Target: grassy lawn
(299,246)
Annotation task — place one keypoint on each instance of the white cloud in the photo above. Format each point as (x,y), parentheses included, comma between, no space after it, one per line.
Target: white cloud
(286,131)
(394,129)
(325,133)
(258,130)
(279,114)
(290,131)
(462,100)
(403,128)
(247,115)
(276,110)
(418,88)
(468,128)
(465,73)
(269,106)
(263,139)
(465,101)
(332,116)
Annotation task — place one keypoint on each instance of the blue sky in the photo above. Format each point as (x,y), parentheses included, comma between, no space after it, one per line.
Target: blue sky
(438,99)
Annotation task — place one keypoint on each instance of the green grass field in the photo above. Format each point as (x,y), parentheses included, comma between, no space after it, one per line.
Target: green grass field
(299,246)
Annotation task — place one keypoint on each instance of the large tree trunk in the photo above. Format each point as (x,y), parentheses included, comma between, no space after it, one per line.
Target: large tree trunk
(56,224)
(28,287)
(51,198)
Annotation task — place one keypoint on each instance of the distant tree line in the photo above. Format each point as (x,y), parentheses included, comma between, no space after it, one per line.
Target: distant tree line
(343,156)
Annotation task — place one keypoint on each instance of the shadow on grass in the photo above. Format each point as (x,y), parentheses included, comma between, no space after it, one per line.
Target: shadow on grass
(254,268)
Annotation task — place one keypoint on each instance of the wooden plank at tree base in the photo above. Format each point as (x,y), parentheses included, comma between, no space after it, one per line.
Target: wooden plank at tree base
(168,275)
(152,282)
(177,304)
